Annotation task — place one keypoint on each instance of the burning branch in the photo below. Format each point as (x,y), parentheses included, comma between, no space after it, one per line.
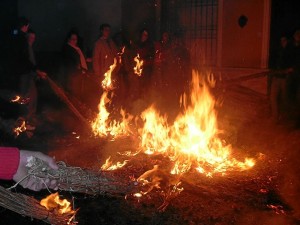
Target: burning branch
(28,206)
(76,179)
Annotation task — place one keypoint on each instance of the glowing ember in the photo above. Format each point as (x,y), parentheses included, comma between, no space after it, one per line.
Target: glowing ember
(108,165)
(107,83)
(21,127)
(20,100)
(137,195)
(157,179)
(191,141)
(103,125)
(15,99)
(53,202)
(120,54)
(278,209)
(138,69)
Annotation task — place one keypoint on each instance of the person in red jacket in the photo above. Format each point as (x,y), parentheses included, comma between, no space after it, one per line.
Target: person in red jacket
(13,167)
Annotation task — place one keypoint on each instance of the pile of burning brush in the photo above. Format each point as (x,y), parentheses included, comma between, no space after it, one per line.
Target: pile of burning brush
(190,143)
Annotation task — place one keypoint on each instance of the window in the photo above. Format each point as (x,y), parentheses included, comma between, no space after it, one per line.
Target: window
(196,22)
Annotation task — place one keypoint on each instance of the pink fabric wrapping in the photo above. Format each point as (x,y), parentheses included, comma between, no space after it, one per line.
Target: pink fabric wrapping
(9,162)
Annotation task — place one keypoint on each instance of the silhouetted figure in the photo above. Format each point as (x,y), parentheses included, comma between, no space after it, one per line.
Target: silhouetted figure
(145,50)
(162,60)
(25,67)
(104,52)
(278,89)
(74,65)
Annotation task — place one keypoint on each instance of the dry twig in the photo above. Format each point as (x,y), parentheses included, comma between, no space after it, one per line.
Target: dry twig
(77,179)
(29,206)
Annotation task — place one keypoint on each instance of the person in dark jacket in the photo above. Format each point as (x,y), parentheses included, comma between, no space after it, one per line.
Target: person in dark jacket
(278,92)
(25,68)
(145,50)
(74,64)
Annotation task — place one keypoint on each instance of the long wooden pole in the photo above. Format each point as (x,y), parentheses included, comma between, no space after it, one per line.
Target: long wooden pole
(61,94)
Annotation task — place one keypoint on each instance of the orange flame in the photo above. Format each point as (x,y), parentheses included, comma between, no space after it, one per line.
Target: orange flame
(155,179)
(191,141)
(21,128)
(138,69)
(18,99)
(120,54)
(107,82)
(52,202)
(15,99)
(277,208)
(108,165)
(103,125)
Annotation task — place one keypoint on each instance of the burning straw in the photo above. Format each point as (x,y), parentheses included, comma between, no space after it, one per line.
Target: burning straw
(28,206)
(77,179)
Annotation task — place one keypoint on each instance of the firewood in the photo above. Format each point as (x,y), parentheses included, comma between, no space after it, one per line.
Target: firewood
(77,179)
(29,206)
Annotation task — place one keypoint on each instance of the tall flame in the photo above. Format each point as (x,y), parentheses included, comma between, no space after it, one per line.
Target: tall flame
(192,140)
(107,82)
(103,125)
(138,69)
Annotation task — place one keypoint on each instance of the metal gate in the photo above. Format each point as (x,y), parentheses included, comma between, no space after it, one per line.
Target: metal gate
(196,22)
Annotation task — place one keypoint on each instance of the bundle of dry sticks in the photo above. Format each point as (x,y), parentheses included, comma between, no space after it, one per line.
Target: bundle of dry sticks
(72,179)
(29,206)
(79,180)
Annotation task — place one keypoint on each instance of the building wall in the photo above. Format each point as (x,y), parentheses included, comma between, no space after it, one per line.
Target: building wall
(246,46)
(137,14)
(52,19)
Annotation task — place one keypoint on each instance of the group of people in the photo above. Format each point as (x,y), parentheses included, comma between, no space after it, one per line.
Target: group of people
(159,59)
(285,79)
(164,61)
(80,75)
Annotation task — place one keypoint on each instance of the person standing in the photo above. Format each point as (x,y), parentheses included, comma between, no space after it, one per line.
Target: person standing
(162,59)
(294,58)
(278,92)
(25,68)
(74,64)
(104,51)
(145,50)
